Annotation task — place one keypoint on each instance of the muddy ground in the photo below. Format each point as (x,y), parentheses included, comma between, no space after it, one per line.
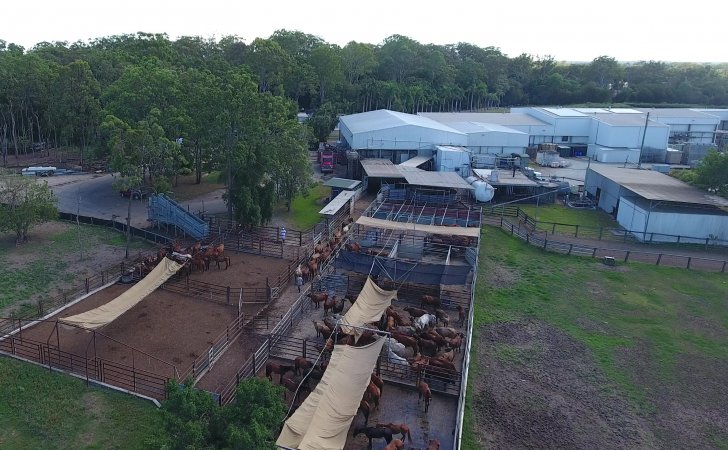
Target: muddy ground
(536,387)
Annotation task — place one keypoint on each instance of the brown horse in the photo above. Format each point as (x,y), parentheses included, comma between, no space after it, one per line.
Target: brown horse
(408,341)
(301,364)
(374,433)
(280,369)
(378,382)
(434,444)
(218,259)
(292,387)
(397,428)
(423,390)
(317,298)
(429,300)
(442,315)
(396,444)
(375,393)
(461,314)
(329,304)
(365,409)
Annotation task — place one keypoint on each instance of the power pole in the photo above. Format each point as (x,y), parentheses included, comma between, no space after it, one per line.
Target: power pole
(642,146)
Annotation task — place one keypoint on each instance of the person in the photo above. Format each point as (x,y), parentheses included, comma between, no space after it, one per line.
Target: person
(283,235)
(299,282)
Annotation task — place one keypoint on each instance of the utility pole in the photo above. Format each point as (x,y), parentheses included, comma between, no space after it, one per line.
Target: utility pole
(78,224)
(642,146)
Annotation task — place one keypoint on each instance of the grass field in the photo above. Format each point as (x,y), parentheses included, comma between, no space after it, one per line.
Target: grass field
(42,410)
(657,339)
(558,213)
(52,259)
(305,210)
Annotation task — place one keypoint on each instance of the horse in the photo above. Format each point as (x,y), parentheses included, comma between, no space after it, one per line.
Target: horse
(408,341)
(305,273)
(329,304)
(423,390)
(374,433)
(317,298)
(292,386)
(198,262)
(429,301)
(321,329)
(301,363)
(415,312)
(353,247)
(378,382)
(313,267)
(397,428)
(425,321)
(434,444)
(461,314)
(446,332)
(442,315)
(365,409)
(375,393)
(218,259)
(396,444)
(280,369)
(428,347)
(456,342)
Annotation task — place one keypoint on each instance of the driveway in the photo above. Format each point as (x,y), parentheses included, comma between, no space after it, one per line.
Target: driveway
(94,195)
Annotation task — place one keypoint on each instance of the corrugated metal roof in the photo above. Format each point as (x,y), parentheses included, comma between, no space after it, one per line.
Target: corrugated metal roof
(416,161)
(654,185)
(563,112)
(337,203)
(627,120)
(478,127)
(436,179)
(342,183)
(676,113)
(492,118)
(380,168)
(383,119)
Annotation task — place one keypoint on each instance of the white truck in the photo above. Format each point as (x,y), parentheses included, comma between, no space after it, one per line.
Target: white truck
(39,171)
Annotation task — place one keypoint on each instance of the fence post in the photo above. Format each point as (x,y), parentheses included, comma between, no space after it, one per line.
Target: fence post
(571,246)
(594,253)
(723,269)
(706,243)
(553,228)
(576,233)
(545,243)
(659,257)
(678,240)
(528,238)
(304,349)
(624,237)
(227,294)
(511,229)
(626,256)
(601,229)
(690,259)
(87,285)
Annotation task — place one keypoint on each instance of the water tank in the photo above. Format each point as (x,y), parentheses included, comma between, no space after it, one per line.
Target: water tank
(483,191)
(471,179)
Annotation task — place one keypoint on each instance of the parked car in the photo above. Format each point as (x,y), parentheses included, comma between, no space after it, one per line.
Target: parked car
(136,193)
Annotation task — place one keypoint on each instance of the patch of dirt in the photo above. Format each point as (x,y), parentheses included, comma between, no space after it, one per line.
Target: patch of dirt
(186,188)
(95,407)
(500,277)
(558,398)
(689,412)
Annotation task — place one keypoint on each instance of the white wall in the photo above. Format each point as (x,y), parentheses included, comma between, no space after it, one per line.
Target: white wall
(406,137)
(449,160)
(666,226)
(631,136)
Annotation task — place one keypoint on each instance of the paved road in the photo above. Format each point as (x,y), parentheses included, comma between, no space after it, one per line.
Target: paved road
(94,195)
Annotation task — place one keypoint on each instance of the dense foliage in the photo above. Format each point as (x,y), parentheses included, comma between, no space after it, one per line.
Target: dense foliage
(710,174)
(193,420)
(24,204)
(202,104)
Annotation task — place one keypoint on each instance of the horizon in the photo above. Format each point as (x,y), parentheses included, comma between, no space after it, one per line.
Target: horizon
(565,33)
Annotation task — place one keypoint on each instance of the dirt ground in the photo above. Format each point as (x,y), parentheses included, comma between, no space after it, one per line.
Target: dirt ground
(171,327)
(535,387)
(246,270)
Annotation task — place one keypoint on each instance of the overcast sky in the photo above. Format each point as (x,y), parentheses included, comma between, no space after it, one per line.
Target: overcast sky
(628,30)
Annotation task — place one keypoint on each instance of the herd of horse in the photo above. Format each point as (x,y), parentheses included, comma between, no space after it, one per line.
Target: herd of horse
(196,257)
(420,340)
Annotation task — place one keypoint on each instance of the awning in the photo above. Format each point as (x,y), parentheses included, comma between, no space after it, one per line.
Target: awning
(436,179)
(416,161)
(337,203)
(381,168)
(432,229)
(369,307)
(107,313)
(323,420)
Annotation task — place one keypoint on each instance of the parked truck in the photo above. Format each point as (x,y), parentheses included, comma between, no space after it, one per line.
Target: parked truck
(326,158)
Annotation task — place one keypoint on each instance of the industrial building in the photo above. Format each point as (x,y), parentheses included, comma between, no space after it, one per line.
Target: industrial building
(656,207)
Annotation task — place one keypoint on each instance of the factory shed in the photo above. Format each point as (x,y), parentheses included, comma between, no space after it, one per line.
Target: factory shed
(655,207)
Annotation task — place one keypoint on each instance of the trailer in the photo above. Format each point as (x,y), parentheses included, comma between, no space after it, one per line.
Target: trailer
(39,171)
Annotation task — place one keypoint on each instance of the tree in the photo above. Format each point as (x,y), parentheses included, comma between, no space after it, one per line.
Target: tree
(712,173)
(193,420)
(24,203)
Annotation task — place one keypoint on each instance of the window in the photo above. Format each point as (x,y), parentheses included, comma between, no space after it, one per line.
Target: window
(564,138)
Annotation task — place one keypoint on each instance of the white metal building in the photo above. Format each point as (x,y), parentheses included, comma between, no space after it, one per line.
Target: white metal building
(515,121)
(488,138)
(384,129)
(656,207)
(569,125)
(686,125)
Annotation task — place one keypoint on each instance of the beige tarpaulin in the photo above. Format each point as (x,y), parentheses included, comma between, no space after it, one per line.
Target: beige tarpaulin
(432,229)
(369,307)
(323,420)
(98,317)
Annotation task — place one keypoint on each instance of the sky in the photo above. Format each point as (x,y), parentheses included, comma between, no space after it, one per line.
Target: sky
(628,30)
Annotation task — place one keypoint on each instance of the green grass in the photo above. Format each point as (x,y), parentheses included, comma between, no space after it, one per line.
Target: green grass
(42,410)
(34,273)
(667,312)
(557,213)
(305,210)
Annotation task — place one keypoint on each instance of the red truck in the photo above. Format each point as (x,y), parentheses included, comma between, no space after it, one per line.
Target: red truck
(326,158)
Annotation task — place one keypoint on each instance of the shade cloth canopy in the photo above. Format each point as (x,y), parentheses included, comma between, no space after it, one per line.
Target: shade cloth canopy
(323,420)
(369,307)
(104,314)
(432,229)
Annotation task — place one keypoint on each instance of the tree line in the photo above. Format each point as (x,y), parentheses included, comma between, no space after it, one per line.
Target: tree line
(167,106)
